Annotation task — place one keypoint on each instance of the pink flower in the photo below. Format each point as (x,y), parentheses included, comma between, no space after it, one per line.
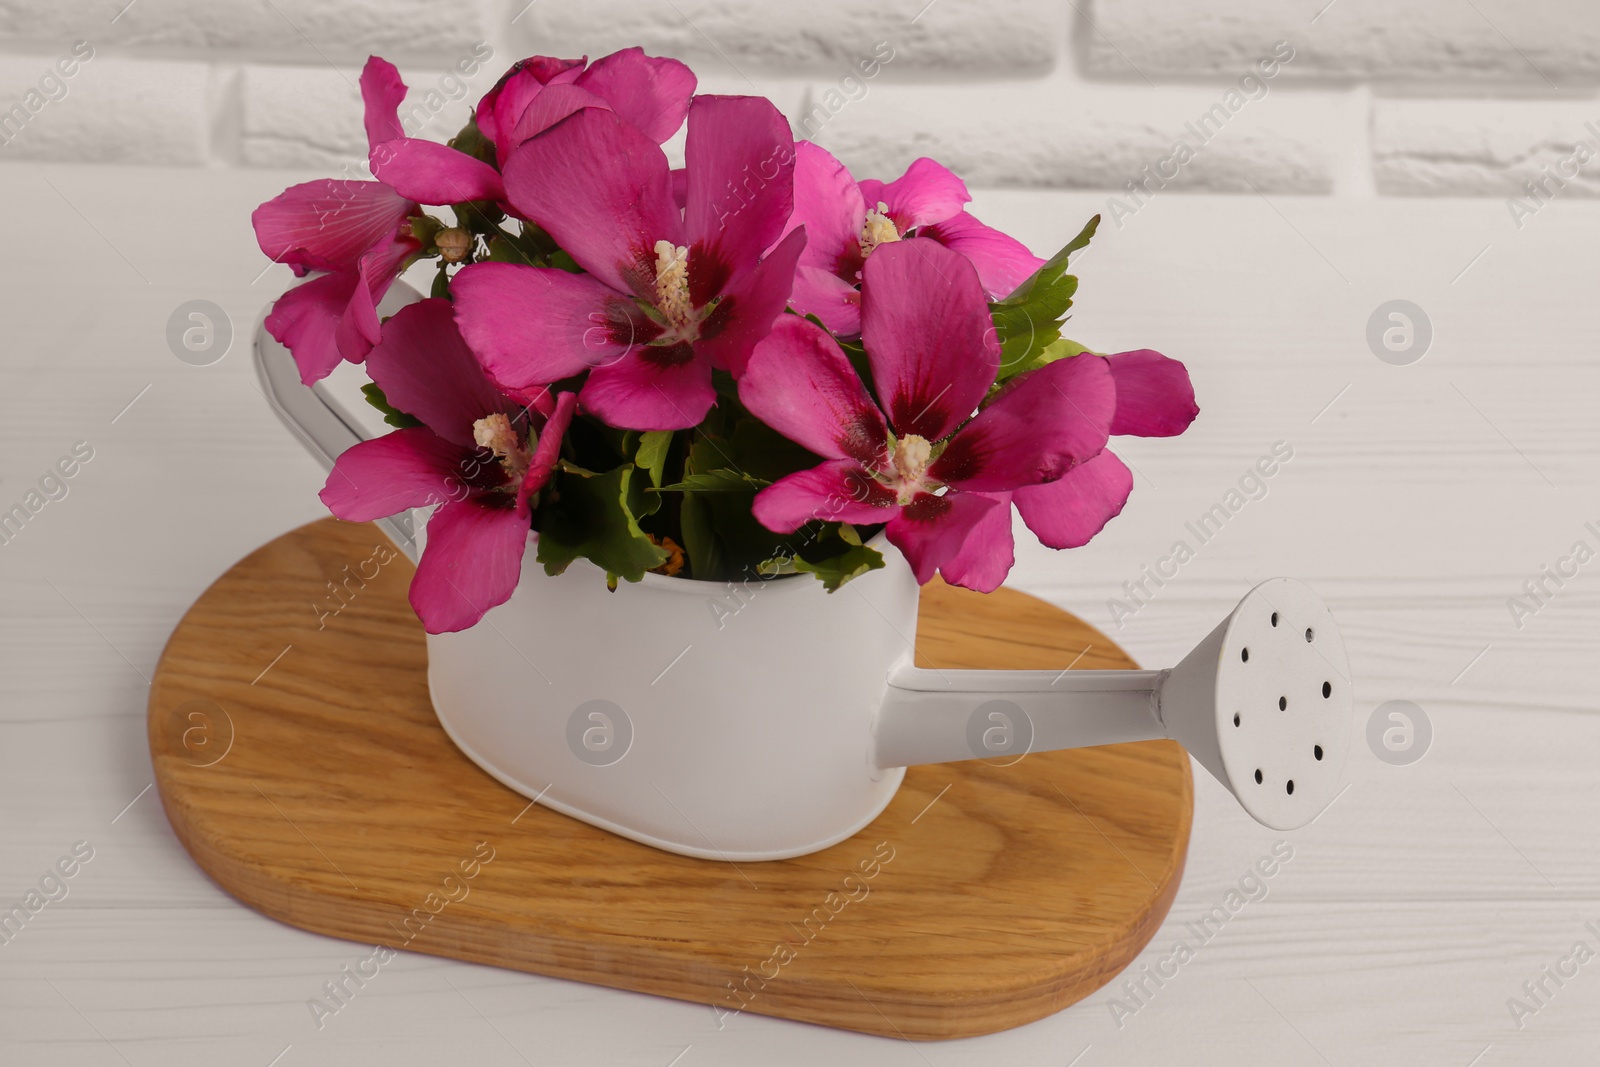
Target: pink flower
(846,220)
(651,94)
(476,456)
(922,463)
(418,169)
(670,292)
(355,231)
(1154,399)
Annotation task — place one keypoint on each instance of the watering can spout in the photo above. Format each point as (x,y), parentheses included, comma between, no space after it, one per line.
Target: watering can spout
(1263,702)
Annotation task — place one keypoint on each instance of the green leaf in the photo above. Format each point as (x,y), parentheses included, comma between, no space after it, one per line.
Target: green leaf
(596,517)
(531,247)
(1029,320)
(652,453)
(1036,288)
(764,454)
(441,282)
(834,571)
(503,250)
(425,228)
(717,481)
(391,415)
(707,452)
(478,216)
(700,541)
(471,140)
(1060,348)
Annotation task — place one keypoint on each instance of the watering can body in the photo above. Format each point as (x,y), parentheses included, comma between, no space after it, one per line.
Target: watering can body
(765,719)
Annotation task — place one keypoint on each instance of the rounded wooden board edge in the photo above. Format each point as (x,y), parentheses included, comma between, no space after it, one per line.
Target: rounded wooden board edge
(970,1010)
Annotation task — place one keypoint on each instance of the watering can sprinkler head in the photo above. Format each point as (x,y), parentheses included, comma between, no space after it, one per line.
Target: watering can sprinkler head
(1264,703)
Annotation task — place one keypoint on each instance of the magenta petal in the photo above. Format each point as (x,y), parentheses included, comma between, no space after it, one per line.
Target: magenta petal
(989,551)
(740,161)
(652,93)
(1003,262)
(376,270)
(1041,425)
(931,530)
(827,202)
(801,384)
(530,326)
(928,335)
(604,191)
(334,316)
(305,320)
(925,194)
(554,103)
(749,306)
(426,370)
(552,70)
(829,297)
(652,387)
(328,224)
(503,105)
(1154,395)
(471,563)
(408,468)
(548,449)
(382,92)
(433,173)
(1069,511)
(835,491)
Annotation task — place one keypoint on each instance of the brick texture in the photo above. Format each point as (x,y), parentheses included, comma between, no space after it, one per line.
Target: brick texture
(1430,97)
(308,30)
(1544,42)
(109,110)
(1485,147)
(997,37)
(311,116)
(1075,136)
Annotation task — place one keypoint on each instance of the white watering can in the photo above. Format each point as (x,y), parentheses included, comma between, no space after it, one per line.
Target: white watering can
(770,719)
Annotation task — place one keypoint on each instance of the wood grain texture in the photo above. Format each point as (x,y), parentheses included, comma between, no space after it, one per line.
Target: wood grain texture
(322,791)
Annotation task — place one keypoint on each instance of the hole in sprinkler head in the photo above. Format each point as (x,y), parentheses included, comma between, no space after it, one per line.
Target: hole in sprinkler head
(1316,750)
(1258,776)
(1283,703)
(1274,618)
(1308,635)
(1236,718)
(1244,654)
(1290,787)
(1327,690)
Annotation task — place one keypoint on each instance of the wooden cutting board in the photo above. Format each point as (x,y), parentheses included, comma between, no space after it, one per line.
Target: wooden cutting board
(301,765)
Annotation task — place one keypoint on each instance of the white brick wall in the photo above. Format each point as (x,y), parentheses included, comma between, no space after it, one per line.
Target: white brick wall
(963,38)
(1418,98)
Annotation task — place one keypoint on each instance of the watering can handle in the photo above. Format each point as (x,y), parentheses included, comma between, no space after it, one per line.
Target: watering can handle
(317,420)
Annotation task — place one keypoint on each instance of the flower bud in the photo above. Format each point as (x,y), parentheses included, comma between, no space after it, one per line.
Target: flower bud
(454,244)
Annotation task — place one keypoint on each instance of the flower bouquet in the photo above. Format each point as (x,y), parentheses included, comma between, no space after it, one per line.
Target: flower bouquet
(751,366)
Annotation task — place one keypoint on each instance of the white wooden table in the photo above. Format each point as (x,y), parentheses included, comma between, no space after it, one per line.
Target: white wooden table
(1418,500)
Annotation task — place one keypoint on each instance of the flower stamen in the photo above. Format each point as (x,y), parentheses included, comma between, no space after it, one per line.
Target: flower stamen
(878,229)
(494,432)
(910,467)
(672,284)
